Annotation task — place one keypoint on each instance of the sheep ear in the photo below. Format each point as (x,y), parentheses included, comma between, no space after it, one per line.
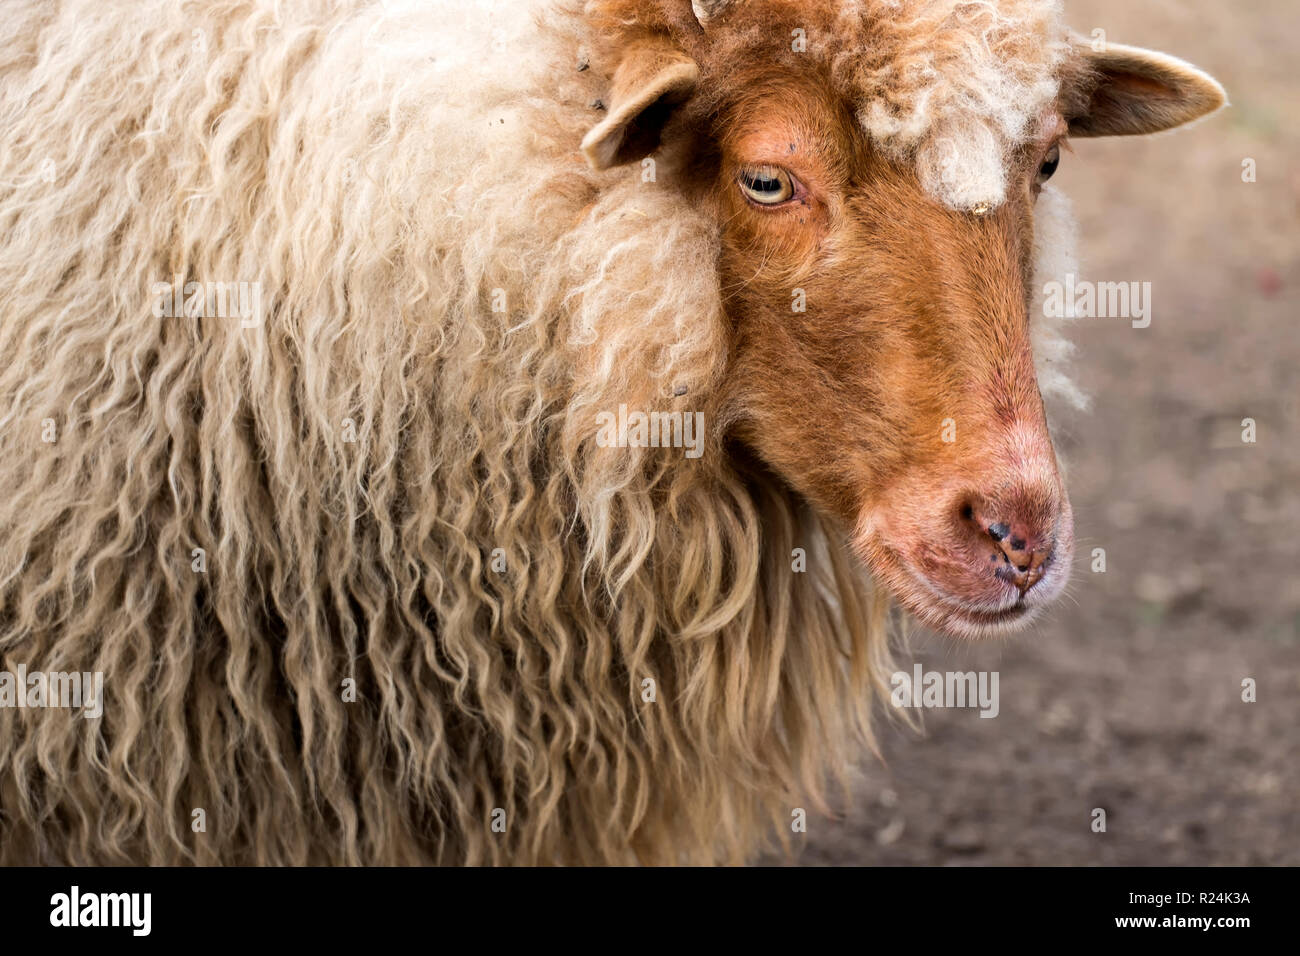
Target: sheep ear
(652,80)
(1141,91)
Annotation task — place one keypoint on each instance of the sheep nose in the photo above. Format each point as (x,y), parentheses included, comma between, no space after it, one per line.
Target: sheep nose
(1020,548)
(1024,556)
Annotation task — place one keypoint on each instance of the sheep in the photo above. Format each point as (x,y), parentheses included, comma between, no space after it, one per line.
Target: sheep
(362,581)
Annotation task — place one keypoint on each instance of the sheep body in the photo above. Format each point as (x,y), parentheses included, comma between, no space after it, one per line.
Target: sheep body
(360,582)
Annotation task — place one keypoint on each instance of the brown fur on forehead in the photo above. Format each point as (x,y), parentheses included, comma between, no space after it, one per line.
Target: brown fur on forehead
(951,88)
(788,120)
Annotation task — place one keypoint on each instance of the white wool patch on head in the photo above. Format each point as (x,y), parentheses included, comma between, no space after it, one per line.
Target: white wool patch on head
(954,86)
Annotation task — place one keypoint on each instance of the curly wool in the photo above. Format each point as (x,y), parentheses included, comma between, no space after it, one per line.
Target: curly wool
(351,465)
(450,299)
(955,87)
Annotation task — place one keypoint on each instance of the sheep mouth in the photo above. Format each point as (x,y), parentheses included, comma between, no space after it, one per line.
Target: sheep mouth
(951,615)
(933,606)
(1003,619)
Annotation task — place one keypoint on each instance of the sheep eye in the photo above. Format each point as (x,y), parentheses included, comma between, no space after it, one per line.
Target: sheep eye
(766,185)
(1050,162)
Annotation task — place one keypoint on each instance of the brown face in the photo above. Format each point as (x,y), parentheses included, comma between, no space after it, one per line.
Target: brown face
(880,358)
(882,363)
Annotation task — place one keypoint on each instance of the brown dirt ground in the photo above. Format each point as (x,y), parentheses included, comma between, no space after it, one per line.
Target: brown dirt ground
(1128,697)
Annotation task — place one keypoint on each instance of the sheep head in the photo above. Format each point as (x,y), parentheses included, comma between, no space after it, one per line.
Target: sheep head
(874,170)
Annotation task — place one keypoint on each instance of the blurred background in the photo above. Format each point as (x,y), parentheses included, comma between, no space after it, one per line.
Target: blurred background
(1128,696)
